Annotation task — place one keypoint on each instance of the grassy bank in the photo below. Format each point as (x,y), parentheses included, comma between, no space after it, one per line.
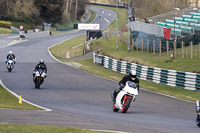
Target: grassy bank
(7,100)
(5,30)
(32,128)
(69,49)
(150,59)
(92,17)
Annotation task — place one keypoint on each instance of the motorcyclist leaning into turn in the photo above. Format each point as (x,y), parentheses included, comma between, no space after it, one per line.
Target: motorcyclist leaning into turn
(132,76)
(11,56)
(40,65)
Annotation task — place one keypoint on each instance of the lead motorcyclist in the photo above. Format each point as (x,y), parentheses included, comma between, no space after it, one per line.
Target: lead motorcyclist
(40,65)
(132,76)
(11,55)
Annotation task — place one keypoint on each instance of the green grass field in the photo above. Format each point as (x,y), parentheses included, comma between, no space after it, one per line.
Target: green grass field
(33,128)
(7,100)
(5,30)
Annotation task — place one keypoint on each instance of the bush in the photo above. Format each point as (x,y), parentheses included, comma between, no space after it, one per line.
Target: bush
(5,24)
(25,25)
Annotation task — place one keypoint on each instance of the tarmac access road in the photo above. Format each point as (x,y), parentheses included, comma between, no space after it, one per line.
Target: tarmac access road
(82,100)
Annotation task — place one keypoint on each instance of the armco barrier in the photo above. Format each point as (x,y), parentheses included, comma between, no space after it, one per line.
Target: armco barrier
(107,5)
(185,80)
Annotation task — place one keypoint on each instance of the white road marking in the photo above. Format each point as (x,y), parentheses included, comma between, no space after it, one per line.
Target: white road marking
(13,93)
(12,36)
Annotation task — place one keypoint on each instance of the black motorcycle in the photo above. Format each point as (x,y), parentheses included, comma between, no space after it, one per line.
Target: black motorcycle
(39,78)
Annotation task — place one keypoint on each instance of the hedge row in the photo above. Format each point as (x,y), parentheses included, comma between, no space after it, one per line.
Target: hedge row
(5,24)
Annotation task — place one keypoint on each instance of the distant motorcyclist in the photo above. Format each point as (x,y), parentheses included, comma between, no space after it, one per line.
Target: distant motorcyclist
(132,76)
(40,65)
(11,56)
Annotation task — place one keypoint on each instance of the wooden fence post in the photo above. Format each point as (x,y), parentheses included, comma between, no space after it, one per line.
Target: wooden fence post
(154,47)
(133,44)
(142,45)
(182,50)
(199,50)
(174,49)
(167,48)
(147,46)
(191,49)
(160,49)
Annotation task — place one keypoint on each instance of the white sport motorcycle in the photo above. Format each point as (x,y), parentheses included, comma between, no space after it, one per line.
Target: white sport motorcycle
(125,97)
(10,64)
(198,113)
(39,78)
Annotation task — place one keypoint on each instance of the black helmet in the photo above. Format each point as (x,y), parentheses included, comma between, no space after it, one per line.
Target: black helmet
(133,74)
(41,61)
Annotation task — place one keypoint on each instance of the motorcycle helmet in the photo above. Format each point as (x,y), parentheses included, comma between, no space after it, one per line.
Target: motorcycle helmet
(10,52)
(133,74)
(41,61)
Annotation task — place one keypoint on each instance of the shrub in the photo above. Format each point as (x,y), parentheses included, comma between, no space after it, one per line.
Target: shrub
(5,24)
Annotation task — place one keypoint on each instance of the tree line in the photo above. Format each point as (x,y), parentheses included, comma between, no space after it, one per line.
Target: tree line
(39,11)
(149,8)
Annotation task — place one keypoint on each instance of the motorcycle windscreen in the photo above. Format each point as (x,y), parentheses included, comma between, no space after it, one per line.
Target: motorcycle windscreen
(131,90)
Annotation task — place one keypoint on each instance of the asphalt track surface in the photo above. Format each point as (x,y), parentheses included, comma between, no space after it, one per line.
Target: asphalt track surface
(82,100)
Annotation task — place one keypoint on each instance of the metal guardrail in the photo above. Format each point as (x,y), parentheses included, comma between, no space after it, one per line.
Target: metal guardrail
(107,5)
(185,80)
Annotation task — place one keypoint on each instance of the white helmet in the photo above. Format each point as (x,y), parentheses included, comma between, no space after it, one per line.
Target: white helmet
(10,52)
(133,74)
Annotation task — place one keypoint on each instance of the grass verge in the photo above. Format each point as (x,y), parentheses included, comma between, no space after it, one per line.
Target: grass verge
(69,49)
(7,100)
(92,16)
(5,30)
(33,128)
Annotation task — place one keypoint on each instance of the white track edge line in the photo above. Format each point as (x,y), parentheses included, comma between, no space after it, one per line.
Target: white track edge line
(13,93)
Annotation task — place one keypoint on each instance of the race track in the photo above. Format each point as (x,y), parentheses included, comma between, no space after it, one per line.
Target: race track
(82,100)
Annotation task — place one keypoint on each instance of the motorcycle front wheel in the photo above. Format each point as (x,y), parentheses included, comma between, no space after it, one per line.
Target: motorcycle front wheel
(126,105)
(37,83)
(198,120)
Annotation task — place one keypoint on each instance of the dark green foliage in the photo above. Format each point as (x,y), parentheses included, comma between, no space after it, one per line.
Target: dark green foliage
(50,10)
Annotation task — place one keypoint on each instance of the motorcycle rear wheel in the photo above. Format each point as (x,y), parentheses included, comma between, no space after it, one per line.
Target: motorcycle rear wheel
(126,105)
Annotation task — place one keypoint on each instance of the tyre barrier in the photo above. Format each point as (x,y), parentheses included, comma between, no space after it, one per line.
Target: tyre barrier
(185,80)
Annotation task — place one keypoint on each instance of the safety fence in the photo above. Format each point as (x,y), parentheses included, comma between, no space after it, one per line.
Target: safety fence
(185,80)
(108,5)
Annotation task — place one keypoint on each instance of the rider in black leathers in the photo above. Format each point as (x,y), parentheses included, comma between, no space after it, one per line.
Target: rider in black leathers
(11,56)
(131,77)
(40,65)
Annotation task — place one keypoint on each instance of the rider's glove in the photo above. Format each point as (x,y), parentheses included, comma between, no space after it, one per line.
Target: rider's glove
(122,85)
